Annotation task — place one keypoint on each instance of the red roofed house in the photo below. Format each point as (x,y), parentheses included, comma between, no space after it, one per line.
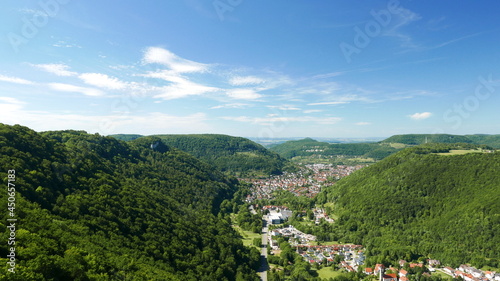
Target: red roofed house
(403,273)
(378,268)
(389,277)
(368,271)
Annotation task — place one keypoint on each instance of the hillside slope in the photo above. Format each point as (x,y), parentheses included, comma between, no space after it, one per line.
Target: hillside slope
(418,203)
(416,139)
(95,208)
(233,155)
(308,147)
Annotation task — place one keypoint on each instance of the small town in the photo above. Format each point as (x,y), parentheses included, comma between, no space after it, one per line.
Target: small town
(307,182)
(350,257)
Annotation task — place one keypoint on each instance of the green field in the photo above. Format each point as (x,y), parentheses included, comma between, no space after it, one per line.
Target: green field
(442,274)
(398,145)
(460,152)
(247,236)
(327,272)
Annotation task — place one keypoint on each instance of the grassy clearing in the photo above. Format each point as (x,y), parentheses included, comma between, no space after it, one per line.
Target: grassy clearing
(327,272)
(247,236)
(460,152)
(398,145)
(442,274)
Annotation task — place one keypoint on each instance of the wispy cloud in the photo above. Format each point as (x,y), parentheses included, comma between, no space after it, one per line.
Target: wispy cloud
(65,44)
(454,40)
(312,111)
(363,123)
(156,55)
(328,103)
(402,19)
(283,107)
(58,69)
(102,81)
(243,94)
(231,105)
(270,119)
(61,87)
(245,80)
(420,116)
(15,80)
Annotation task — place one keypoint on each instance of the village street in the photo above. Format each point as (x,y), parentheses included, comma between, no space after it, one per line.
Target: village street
(264,267)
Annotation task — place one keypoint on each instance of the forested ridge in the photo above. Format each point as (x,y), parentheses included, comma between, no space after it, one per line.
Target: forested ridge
(309,147)
(233,155)
(96,208)
(417,203)
(416,139)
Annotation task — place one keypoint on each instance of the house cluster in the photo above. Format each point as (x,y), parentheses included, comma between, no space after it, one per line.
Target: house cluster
(392,273)
(302,183)
(469,273)
(352,256)
(277,214)
(323,172)
(296,237)
(321,214)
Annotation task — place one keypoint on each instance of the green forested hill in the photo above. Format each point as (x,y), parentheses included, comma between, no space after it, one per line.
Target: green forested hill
(234,155)
(418,203)
(95,208)
(416,139)
(126,137)
(309,147)
(490,140)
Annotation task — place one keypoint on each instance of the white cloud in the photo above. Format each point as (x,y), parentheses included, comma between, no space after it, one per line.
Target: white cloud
(363,123)
(243,94)
(246,80)
(171,60)
(184,89)
(9,107)
(15,80)
(64,44)
(103,81)
(277,119)
(328,103)
(283,107)
(58,69)
(312,111)
(230,105)
(76,89)
(420,116)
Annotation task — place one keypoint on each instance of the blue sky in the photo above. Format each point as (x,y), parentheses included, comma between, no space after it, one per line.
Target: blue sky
(252,68)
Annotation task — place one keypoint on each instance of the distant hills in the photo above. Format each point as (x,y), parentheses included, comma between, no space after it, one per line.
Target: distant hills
(95,208)
(422,202)
(233,155)
(309,147)
(416,139)
(376,150)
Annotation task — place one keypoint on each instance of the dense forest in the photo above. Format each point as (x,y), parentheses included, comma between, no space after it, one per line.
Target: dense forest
(232,155)
(309,147)
(422,203)
(416,139)
(90,207)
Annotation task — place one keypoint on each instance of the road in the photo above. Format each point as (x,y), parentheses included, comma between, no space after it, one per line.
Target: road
(264,267)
